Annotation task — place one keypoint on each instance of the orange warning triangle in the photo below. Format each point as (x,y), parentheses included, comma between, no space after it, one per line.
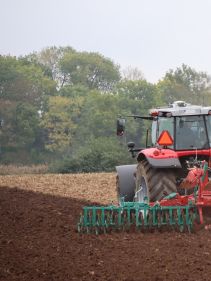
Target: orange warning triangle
(165,139)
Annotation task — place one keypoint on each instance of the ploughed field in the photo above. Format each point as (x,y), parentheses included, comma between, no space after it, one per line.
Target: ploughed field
(38,238)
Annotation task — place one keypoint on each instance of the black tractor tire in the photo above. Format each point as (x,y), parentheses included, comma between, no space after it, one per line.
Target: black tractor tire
(153,183)
(125,183)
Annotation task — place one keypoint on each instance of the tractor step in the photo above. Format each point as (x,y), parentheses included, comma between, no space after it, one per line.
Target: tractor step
(137,216)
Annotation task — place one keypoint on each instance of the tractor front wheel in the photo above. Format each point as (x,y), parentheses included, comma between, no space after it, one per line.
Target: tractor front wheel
(152,183)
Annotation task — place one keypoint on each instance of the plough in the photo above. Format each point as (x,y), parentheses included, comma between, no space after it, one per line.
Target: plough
(179,212)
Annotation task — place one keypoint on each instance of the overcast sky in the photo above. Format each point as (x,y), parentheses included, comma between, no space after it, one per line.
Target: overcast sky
(153,35)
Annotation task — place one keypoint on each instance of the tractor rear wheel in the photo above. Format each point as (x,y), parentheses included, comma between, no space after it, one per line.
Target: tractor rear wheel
(153,183)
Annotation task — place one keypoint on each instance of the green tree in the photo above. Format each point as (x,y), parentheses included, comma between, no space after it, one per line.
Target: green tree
(91,70)
(21,81)
(49,59)
(185,83)
(99,154)
(98,117)
(74,91)
(138,90)
(25,125)
(24,90)
(58,124)
(20,132)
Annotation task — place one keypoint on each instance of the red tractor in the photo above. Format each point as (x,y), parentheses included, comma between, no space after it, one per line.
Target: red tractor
(180,135)
(170,185)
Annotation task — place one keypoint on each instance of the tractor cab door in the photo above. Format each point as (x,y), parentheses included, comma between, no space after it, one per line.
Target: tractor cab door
(191,133)
(161,124)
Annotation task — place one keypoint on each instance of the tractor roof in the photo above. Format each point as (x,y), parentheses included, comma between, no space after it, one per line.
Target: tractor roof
(181,108)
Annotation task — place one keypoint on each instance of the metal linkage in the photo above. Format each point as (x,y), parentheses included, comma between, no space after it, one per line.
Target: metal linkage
(137,216)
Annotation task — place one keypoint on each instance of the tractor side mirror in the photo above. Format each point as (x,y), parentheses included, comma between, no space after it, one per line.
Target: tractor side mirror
(120,126)
(130,145)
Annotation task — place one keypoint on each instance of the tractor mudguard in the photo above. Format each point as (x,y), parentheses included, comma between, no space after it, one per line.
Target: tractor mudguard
(160,158)
(126,181)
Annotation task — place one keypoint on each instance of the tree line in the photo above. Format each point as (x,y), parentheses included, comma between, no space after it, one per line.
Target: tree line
(59,106)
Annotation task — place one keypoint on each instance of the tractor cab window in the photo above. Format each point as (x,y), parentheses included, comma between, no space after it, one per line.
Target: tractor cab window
(166,124)
(190,133)
(208,121)
(163,123)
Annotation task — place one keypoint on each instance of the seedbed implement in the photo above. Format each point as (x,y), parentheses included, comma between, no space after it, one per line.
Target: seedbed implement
(138,217)
(174,211)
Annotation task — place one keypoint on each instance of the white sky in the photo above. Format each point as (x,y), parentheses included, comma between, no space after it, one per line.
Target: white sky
(153,35)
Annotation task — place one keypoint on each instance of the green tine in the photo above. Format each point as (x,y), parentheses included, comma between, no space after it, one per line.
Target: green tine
(94,216)
(120,218)
(159,219)
(188,220)
(102,221)
(137,218)
(106,221)
(85,217)
(180,219)
(154,216)
(145,217)
(171,217)
(150,219)
(128,217)
(165,217)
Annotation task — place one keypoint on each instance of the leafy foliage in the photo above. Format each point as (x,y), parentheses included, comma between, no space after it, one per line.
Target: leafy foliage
(26,125)
(187,84)
(99,154)
(49,60)
(57,123)
(91,70)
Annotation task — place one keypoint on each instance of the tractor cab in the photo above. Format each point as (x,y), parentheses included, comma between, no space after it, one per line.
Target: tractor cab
(188,125)
(188,132)
(180,135)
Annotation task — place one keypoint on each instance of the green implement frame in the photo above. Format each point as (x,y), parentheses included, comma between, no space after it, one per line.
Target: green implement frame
(139,216)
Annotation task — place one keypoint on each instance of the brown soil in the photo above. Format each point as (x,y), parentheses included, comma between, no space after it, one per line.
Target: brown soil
(38,241)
